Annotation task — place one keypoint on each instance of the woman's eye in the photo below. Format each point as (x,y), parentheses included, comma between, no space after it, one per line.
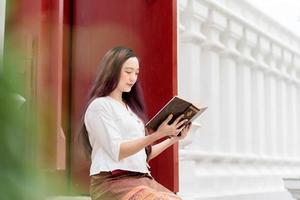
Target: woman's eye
(130,72)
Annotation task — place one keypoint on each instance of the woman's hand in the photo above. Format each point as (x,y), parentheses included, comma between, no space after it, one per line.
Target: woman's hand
(184,132)
(173,129)
(160,147)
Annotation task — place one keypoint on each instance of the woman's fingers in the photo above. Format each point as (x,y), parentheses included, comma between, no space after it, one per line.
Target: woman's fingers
(168,119)
(185,131)
(188,126)
(180,129)
(177,127)
(178,119)
(181,123)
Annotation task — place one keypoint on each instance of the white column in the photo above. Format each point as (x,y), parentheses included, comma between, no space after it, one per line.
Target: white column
(290,116)
(209,78)
(228,100)
(258,114)
(284,89)
(291,105)
(189,70)
(296,64)
(192,15)
(190,51)
(244,107)
(2,29)
(181,7)
(277,147)
(298,112)
(281,116)
(270,105)
(272,100)
(294,121)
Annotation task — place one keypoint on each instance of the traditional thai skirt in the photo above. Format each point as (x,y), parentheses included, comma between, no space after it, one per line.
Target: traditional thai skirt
(128,186)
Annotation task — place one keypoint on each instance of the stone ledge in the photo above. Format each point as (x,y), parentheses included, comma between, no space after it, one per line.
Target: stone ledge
(293,186)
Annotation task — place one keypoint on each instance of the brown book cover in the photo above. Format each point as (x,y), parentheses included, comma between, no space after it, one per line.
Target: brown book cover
(175,106)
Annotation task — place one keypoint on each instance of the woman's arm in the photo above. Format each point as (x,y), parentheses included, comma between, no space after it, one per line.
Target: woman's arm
(131,147)
(160,147)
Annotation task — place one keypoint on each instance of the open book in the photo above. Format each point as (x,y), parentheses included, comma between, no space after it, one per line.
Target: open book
(175,106)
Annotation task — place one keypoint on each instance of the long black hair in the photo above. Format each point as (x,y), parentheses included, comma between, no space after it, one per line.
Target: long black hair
(106,81)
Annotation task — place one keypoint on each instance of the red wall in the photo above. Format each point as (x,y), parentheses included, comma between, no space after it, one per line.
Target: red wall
(63,43)
(149,27)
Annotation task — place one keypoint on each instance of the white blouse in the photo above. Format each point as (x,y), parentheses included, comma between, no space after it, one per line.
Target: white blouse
(109,123)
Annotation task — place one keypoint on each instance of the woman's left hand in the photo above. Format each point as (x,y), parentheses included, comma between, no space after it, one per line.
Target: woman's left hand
(183,133)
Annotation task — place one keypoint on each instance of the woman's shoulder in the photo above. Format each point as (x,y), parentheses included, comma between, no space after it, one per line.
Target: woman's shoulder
(99,103)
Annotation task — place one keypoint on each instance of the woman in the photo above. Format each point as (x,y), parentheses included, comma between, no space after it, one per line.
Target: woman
(114,136)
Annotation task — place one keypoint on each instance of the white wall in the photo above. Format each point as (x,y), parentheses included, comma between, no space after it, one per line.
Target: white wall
(245,68)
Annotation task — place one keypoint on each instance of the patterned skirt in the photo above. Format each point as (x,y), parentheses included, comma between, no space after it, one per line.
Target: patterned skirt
(129,186)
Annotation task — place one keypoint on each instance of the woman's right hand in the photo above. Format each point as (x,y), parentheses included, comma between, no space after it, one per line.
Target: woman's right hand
(173,129)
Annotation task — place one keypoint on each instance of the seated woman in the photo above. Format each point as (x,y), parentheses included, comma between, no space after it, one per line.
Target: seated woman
(114,135)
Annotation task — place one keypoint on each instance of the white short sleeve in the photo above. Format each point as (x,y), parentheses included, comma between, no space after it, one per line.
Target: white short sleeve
(105,132)
(109,123)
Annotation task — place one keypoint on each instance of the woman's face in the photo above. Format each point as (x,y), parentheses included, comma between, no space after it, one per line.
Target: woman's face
(129,74)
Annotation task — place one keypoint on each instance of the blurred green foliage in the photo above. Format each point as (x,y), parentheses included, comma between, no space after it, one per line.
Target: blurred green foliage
(22,173)
(19,174)
(20,177)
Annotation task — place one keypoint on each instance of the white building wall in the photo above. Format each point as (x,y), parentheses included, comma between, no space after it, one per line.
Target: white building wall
(246,69)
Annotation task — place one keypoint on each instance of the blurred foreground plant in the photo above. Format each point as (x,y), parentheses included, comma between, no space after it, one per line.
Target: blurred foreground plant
(19,174)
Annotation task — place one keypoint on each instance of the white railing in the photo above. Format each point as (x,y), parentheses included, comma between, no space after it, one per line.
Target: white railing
(250,80)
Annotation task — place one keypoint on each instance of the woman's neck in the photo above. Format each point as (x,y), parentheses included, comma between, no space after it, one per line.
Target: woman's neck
(117,96)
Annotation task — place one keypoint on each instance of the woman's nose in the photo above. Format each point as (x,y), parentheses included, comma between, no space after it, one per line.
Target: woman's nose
(133,77)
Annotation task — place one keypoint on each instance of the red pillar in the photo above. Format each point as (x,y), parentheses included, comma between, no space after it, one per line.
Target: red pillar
(149,27)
